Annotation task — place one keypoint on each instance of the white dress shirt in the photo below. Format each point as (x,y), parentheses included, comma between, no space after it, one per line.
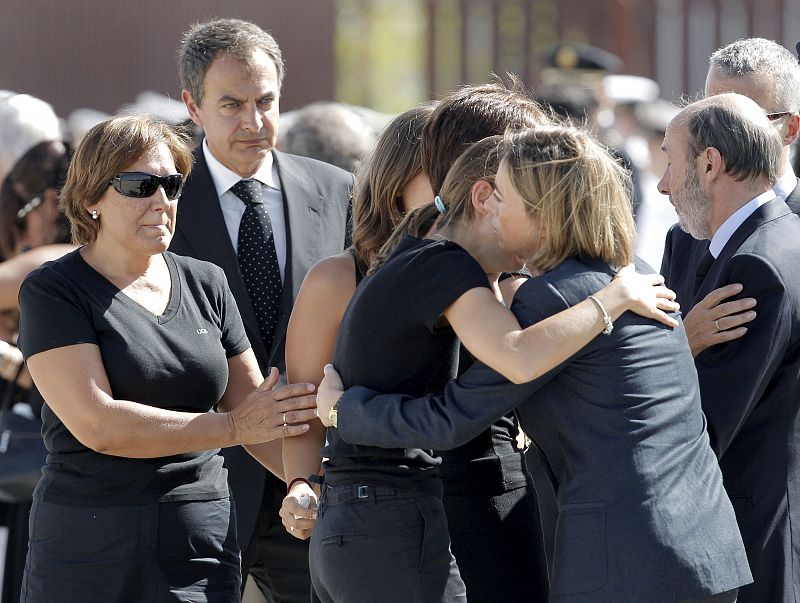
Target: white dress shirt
(785,184)
(729,226)
(233,207)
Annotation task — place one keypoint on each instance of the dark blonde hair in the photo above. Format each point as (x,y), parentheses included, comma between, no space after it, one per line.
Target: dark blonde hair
(380,180)
(578,192)
(479,162)
(110,147)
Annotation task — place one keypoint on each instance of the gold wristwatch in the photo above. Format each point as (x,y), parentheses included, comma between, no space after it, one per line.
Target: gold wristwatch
(333,415)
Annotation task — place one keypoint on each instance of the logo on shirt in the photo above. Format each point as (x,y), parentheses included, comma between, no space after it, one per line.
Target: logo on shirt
(202,331)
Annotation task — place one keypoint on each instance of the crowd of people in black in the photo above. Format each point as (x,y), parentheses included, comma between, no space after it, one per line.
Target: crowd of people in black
(250,363)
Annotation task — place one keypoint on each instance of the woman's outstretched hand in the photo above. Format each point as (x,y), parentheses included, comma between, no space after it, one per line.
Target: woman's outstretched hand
(714,320)
(270,412)
(647,295)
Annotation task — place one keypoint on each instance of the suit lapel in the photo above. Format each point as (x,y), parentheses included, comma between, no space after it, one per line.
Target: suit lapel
(302,206)
(772,210)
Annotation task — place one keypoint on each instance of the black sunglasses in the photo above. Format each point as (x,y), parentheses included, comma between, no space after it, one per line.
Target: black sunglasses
(142,184)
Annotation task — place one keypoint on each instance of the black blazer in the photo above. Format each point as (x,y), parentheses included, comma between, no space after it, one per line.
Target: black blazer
(750,390)
(316,203)
(643,515)
(682,254)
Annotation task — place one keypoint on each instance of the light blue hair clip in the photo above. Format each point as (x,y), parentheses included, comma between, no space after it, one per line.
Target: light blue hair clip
(437,201)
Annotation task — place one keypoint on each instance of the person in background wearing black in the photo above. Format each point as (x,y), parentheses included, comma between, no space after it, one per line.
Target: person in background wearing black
(130,347)
(32,231)
(265,218)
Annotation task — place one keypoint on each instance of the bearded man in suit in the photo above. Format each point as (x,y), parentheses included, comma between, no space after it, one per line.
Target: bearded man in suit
(265,217)
(724,157)
(769,74)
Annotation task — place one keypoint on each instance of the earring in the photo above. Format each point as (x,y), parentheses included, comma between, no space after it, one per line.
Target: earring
(94,214)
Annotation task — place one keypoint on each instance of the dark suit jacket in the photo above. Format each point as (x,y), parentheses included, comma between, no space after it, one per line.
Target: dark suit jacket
(643,515)
(682,253)
(751,396)
(316,202)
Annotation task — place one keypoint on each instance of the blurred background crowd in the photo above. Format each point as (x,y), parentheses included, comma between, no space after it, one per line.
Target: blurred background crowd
(618,66)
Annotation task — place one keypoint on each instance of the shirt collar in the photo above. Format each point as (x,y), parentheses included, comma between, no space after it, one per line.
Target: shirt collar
(785,184)
(224,178)
(729,226)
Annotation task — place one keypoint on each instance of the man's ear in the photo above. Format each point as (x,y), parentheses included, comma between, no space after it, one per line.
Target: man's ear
(711,164)
(480,193)
(791,129)
(191,106)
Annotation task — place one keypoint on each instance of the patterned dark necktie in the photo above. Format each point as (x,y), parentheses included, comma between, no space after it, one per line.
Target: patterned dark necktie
(702,270)
(258,260)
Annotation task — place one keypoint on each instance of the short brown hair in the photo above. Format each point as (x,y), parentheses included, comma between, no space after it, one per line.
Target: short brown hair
(110,147)
(203,42)
(578,192)
(470,114)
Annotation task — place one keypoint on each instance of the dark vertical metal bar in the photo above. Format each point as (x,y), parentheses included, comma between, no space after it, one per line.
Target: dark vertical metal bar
(464,58)
(496,33)
(687,44)
(433,83)
(527,64)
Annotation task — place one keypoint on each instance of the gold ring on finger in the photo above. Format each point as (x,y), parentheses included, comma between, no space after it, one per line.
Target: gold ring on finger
(716,324)
(284,415)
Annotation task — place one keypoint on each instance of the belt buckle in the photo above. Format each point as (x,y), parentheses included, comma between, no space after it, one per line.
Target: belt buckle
(363,492)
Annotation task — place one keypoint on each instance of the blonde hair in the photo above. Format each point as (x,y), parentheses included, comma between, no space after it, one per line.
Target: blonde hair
(479,162)
(578,192)
(110,147)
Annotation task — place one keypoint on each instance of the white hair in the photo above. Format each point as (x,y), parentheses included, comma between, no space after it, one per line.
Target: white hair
(762,56)
(25,121)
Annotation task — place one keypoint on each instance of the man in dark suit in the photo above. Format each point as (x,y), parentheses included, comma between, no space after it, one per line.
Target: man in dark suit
(769,74)
(265,217)
(723,161)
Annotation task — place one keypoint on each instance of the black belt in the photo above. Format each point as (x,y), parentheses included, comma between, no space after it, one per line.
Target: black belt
(337,494)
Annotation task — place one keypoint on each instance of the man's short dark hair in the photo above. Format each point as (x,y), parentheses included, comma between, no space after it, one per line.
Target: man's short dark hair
(202,42)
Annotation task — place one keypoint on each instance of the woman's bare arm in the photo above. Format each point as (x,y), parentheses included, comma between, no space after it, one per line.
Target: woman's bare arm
(310,341)
(73,381)
(14,270)
(523,355)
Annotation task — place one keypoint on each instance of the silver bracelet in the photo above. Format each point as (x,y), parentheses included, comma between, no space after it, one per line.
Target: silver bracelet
(609,325)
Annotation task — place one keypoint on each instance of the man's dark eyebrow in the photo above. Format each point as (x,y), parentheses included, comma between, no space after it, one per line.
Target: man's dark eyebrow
(228,98)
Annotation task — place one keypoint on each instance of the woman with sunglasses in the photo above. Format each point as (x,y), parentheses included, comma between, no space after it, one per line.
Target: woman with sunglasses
(131,346)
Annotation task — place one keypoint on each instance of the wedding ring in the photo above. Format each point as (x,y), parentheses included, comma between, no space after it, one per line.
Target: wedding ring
(284,415)
(716,324)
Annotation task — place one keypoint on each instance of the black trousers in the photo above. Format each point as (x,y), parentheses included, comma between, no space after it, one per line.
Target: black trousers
(379,544)
(498,543)
(172,551)
(277,561)
(14,517)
